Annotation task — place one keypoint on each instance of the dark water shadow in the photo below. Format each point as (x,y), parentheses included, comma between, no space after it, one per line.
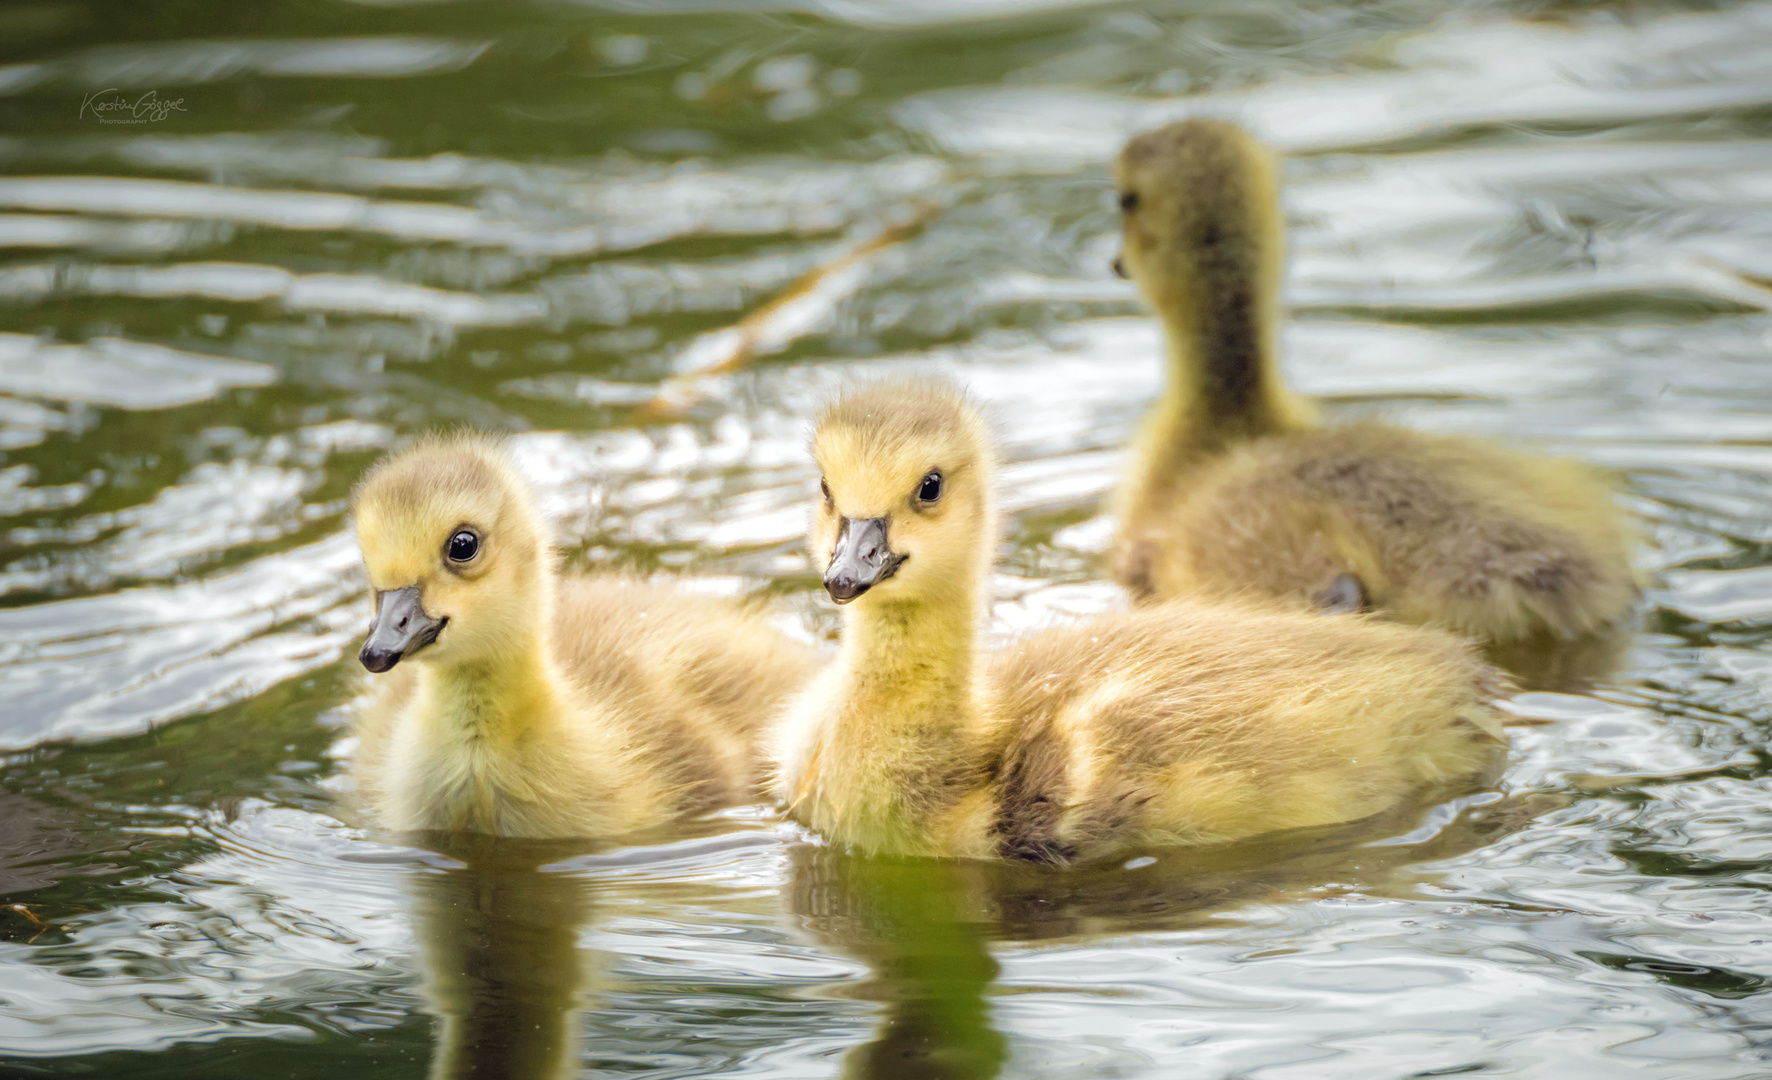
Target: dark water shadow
(1563,666)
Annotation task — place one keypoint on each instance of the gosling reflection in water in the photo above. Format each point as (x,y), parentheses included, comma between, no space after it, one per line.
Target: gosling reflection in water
(916,924)
(504,974)
(925,927)
(509,983)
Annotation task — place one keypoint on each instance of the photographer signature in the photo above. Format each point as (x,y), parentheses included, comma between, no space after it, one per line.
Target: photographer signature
(146,109)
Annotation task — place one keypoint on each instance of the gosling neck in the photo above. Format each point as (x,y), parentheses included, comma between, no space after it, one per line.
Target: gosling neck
(917,653)
(1223,380)
(896,755)
(504,693)
(1222,383)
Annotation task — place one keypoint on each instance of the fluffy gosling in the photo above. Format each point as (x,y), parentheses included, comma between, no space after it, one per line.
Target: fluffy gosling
(1235,488)
(524,703)
(1185,723)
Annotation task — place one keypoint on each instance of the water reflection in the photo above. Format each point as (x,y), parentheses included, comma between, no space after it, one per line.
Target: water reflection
(1165,890)
(1546,663)
(918,926)
(37,842)
(926,928)
(504,973)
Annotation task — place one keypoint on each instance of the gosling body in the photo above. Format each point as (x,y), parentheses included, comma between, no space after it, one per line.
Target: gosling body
(1187,723)
(529,704)
(1235,488)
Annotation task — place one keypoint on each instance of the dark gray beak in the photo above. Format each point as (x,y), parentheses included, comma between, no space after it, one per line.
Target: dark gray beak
(400,629)
(862,559)
(1119,265)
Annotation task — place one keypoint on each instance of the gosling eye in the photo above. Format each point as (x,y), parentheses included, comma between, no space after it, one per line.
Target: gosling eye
(929,491)
(1128,201)
(463,546)
(825,490)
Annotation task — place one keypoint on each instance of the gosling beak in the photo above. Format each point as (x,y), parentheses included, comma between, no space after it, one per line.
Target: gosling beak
(400,629)
(1119,265)
(862,560)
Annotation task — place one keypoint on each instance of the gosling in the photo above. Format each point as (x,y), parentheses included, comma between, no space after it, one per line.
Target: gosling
(526,704)
(1234,488)
(1184,723)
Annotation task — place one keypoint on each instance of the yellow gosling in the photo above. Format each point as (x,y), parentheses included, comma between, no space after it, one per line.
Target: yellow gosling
(1234,488)
(530,704)
(1185,723)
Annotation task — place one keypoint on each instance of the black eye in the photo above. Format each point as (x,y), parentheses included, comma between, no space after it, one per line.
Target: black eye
(463,546)
(1128,202)
(930,489)
(824,489)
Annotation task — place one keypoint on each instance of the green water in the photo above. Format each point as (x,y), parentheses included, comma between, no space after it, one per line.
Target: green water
(1547,224)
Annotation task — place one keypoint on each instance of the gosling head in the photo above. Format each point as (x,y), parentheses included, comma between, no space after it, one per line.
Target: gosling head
(1199,207)
(455,551)
(904,512)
